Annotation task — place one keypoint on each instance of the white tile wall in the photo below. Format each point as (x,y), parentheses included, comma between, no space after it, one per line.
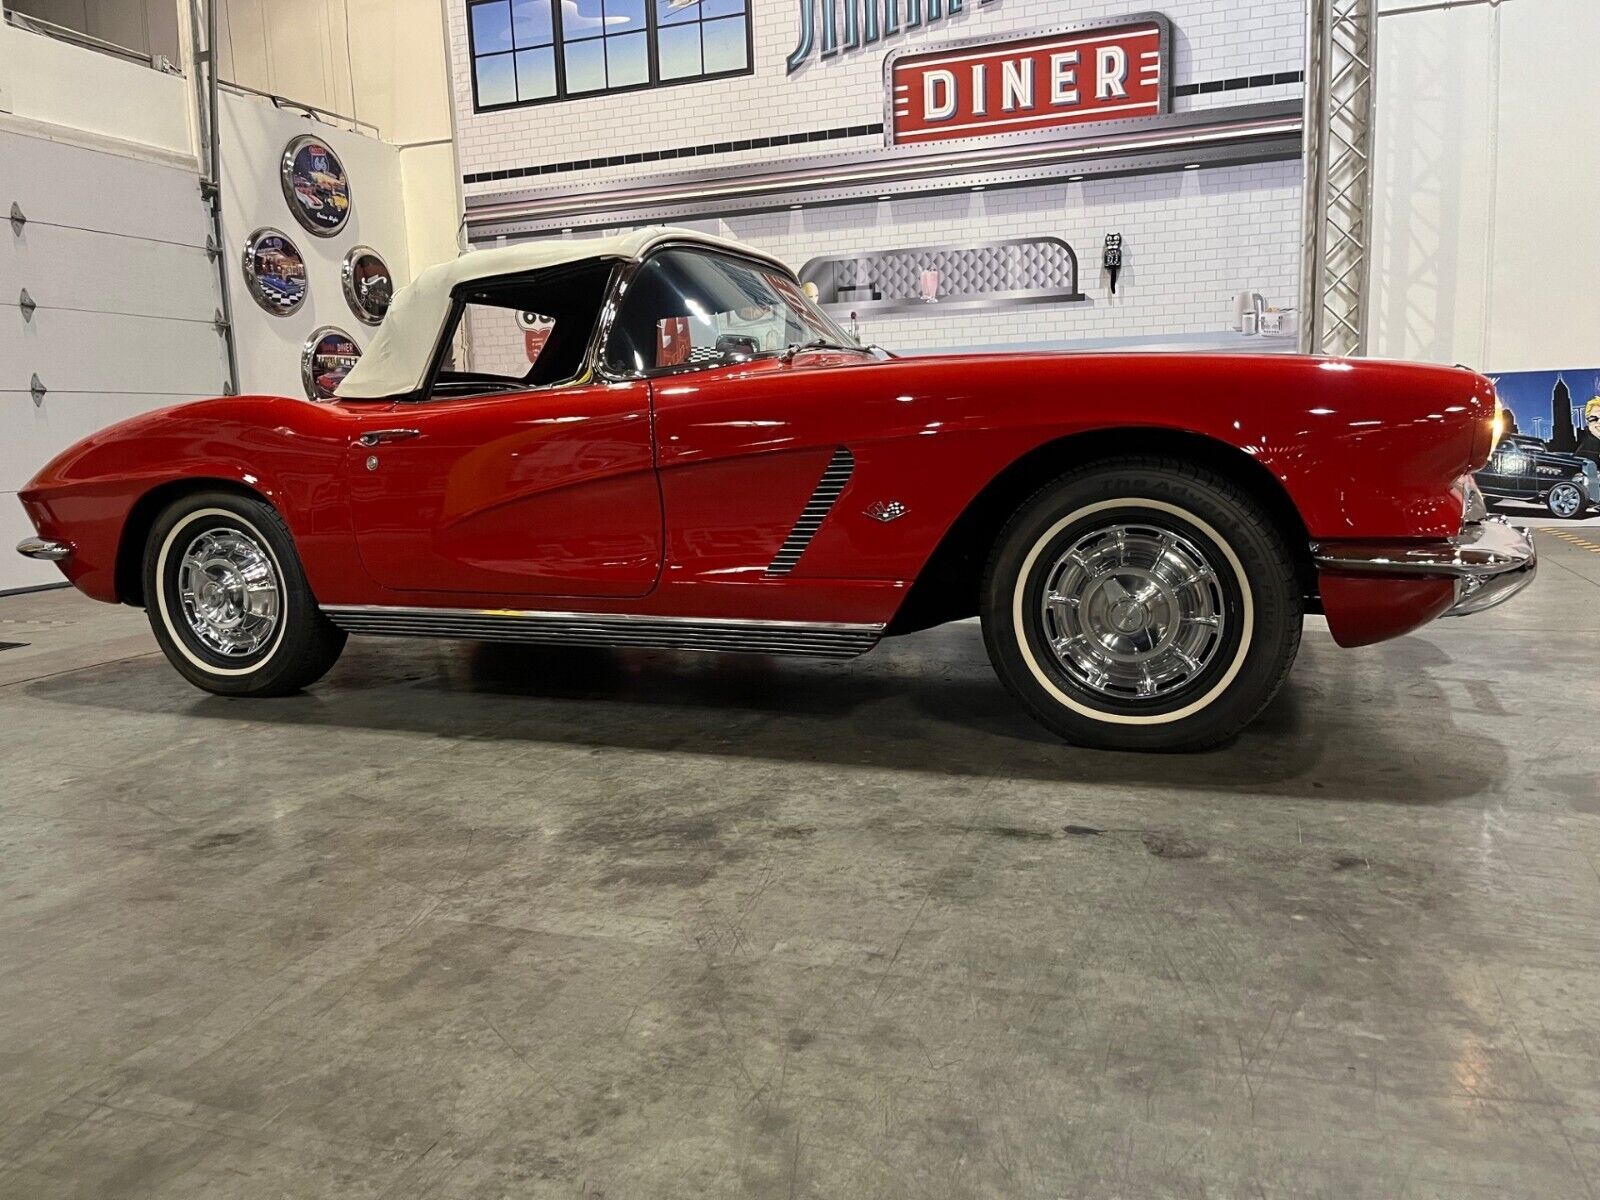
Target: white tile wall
(1194,240)
(497,343)
(1214,39)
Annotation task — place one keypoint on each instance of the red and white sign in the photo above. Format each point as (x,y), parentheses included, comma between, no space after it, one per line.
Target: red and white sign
(1030,84)
(673,341)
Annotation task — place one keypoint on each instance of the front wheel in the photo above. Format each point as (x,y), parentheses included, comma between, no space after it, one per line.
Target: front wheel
(228,600)
(1142,604)
(1565,500)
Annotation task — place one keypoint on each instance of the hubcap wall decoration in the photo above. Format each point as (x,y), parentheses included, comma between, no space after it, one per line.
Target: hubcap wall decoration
(229,592)
(1133,611)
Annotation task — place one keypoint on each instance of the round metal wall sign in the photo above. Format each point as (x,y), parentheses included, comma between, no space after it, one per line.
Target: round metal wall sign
(326,360)
(315,185)
(274,272)
(368,286)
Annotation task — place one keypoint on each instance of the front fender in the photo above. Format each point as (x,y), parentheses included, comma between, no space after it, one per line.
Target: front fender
(110,486)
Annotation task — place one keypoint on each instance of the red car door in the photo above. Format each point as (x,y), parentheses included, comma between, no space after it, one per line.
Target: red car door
(542,493)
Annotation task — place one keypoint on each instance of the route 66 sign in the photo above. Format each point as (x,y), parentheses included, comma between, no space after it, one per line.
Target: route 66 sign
(315,185)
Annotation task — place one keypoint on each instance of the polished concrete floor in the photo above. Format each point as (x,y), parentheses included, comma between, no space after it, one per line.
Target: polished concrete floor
(478,922)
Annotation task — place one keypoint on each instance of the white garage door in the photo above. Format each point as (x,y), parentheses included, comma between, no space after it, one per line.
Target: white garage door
(112,254)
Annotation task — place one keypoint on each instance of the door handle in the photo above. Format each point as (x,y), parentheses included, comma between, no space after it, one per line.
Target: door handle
(388,435)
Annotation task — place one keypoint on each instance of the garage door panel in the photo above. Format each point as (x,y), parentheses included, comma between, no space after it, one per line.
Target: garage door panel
(113,254)
(36,433)
(100,272)
(100,352)
(59,184)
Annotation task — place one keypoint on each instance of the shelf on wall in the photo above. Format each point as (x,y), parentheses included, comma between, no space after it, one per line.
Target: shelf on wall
(984,275)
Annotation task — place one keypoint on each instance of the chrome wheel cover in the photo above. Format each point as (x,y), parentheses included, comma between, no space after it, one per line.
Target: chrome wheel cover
(1133,612)
(229,591)
(1566,500)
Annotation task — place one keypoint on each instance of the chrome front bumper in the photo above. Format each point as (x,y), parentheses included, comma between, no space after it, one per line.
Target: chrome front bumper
(1491,562)
(44,549)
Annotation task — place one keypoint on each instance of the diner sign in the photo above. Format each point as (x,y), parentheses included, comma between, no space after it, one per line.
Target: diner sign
(1029,83)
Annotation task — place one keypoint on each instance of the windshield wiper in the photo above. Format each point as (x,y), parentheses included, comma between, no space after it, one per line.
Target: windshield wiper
(795,348)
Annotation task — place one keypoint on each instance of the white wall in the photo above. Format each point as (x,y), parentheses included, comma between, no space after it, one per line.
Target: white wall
(382,61)
(113,255)
(148,26)
(254,135)
(1188,254)
(432,196)
(1487,246)
(1215,39)
(86,92)
(96,153)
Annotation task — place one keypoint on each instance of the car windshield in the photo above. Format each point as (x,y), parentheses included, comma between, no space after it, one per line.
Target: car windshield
(689,308)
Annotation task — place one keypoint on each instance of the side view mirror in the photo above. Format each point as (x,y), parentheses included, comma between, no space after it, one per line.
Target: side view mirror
(733,347)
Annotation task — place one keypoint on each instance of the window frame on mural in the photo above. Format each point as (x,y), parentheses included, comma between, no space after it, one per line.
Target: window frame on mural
(558,45)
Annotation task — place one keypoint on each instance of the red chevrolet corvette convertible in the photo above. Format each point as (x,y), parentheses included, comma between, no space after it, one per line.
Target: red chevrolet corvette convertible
(694,457)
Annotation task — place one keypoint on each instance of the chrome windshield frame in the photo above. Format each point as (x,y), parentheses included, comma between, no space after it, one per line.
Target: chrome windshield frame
(623,280)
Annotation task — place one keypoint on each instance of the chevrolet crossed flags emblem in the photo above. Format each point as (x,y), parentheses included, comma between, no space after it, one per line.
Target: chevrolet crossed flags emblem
(892,511)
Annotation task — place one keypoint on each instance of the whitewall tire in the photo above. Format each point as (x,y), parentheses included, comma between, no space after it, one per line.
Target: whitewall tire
(1142,604)
(228,601)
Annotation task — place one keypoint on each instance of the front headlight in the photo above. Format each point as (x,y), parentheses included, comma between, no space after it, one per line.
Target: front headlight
(1499,426)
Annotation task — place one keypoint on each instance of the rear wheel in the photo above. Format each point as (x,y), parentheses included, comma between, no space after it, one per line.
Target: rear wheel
(1142,604)
(228,601)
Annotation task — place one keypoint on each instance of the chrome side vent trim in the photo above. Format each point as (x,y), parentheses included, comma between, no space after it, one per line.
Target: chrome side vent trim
(840,467)
(813,640)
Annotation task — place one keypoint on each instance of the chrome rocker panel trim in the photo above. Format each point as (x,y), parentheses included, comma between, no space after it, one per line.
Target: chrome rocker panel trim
(1491,561)
(44,550)
(808,639)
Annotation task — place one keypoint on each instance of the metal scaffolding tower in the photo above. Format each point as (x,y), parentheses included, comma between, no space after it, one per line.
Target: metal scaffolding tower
(1341,67)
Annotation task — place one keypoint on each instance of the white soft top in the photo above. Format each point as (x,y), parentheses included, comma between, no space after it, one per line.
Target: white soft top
(398,359)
